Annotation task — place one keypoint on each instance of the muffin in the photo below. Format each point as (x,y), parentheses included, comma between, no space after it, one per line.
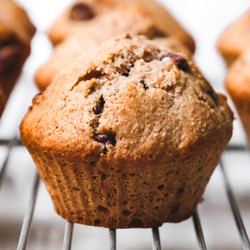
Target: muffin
(74,46)
(2,101)
(62,56)
(127,136)
(235,39)
(238,86)
(163,20)
(85,12)
(16,32)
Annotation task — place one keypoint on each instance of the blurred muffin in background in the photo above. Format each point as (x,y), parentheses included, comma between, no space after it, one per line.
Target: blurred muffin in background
(238,86)
(85,12)
(235,39)
(16,32)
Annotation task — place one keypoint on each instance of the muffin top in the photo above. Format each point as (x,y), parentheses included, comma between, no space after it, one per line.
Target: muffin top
(98,15)
(127,100)
(63,55)
(75,46)
(238,78)
(236,38)
(77,17)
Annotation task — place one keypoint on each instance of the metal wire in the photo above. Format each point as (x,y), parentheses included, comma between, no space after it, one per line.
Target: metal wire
(4,142)
(199,231)
(238,220)
(29,214)
(156,244)
(156,239)
(112,239)
(68,234)
(13,142)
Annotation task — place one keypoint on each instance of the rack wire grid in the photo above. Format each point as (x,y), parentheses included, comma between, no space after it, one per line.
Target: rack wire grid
(113,235)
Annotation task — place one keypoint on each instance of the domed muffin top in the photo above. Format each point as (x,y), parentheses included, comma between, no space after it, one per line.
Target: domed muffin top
(129,99)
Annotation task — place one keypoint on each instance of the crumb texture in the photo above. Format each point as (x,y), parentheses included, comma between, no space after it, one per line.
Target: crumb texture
(127,136)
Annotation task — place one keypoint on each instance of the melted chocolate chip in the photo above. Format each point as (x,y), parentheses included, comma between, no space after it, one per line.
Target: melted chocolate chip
(106,138)
(144,85)
(179,60)
(81,11)
(125,74)
(99,106)
(9,57)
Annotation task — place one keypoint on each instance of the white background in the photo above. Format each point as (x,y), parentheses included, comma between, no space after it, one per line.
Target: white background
(205,20)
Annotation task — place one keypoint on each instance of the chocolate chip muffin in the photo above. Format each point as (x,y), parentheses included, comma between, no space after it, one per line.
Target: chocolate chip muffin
(76,45)
(235,39)
(127,136)
(84,13)
(77,17)
(238,86)
(16,32)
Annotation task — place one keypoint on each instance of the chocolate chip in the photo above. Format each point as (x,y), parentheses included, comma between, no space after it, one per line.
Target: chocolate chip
(144,85)
(125,74)
(35,99)
(106,138)
(178,59)
(213,95)
(81,11)
(99,106)
(9,56)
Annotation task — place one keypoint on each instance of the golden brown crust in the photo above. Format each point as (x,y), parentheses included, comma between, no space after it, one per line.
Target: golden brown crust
(64,26)
(2,101)
(238,86)
(74,46)
(63,55)
(163,20)
(235,39)
(16,32)
(125,138)
(102,10)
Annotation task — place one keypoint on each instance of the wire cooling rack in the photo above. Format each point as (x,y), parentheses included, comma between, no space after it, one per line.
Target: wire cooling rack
(113,237)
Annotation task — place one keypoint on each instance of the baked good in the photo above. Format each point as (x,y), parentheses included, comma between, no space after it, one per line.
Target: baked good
(16,32)
(74,46)
(2,101)
(127,136)
(163,20)
(77,17)
(238,86)
(235,39)
(63,55)
(85,12)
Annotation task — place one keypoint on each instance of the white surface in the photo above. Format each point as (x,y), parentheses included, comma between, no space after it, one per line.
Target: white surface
(205,20)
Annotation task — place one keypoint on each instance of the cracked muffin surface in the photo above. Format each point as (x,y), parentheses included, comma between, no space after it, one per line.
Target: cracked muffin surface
(127,136)
(75,46)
